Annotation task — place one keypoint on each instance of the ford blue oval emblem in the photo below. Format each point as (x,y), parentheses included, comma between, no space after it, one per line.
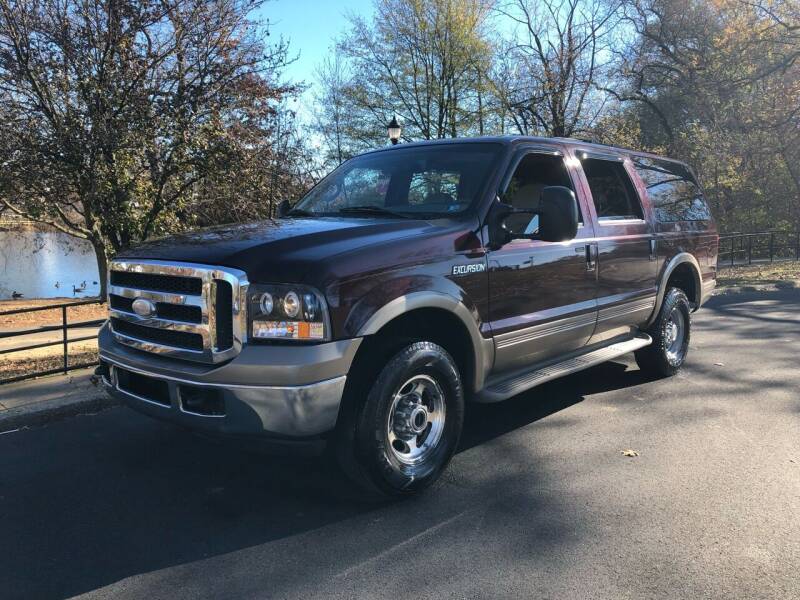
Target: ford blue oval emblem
(144,307)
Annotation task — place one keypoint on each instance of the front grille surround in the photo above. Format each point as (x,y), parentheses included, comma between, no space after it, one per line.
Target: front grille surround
(223,335)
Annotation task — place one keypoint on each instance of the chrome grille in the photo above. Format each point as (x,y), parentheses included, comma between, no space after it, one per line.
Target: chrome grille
(199,310)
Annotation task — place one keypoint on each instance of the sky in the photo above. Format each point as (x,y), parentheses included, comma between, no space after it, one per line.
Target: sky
(310,27)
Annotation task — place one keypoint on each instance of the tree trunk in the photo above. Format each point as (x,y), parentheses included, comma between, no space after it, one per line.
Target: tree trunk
(102,267)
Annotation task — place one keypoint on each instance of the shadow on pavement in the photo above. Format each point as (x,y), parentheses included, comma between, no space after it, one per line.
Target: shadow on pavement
(91,501)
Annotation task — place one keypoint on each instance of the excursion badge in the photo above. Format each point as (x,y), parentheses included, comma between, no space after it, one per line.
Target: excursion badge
(468,269)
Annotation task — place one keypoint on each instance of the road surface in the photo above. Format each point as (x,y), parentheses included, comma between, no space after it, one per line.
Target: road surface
(540,502)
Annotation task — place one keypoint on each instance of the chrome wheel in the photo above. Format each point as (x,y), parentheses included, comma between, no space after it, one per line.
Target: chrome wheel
(675,336)
(416,419)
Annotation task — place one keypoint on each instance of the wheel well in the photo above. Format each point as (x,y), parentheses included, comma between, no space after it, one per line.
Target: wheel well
(435,325)
(683,278)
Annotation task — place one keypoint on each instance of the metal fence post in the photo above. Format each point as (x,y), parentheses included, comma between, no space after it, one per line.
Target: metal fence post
(771,246)
(64,336)
(797,246)
(733,242)
(749,249)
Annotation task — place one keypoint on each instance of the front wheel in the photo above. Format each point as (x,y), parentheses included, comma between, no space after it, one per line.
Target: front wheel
(408,426)
(670,332)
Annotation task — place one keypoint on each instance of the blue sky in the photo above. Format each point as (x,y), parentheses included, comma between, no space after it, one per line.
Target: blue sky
(310,26)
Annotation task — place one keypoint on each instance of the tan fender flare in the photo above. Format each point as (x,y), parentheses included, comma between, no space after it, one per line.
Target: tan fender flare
(675,262)
(483,349)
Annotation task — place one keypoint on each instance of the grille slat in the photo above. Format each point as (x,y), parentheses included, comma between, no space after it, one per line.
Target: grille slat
(167,337)
(173,284)
(179,312)
(120,303)
(164,310)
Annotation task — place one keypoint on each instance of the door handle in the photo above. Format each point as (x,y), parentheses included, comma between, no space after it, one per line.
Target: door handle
(590,253)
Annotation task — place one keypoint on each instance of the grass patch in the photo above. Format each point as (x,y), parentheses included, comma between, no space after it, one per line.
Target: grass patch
(29,363)
(783,273)
(75,314)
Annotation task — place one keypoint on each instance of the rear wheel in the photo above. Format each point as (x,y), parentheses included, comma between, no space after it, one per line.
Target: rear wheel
(670,332)
(402,435)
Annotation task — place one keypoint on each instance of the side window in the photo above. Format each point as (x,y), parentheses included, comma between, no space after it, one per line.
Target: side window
(672,190)
(613,193)
(534,173)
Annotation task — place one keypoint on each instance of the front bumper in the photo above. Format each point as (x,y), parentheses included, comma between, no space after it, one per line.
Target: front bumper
(276,391)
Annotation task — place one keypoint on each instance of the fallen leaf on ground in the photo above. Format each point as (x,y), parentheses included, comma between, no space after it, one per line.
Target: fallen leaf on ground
(629,452)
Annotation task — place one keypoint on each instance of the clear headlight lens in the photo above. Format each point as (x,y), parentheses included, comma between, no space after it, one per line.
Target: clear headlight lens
(291,304)
(266,304)
(287,312)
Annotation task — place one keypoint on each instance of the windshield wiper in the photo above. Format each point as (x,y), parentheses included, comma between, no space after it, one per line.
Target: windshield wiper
(372,210)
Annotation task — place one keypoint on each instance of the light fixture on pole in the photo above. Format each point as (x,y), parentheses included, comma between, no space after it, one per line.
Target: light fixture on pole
(393,128)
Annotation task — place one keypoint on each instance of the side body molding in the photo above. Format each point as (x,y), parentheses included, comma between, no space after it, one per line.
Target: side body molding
(483,349)
(675,261)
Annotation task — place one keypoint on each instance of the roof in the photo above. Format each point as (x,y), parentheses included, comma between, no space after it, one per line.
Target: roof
(517,139)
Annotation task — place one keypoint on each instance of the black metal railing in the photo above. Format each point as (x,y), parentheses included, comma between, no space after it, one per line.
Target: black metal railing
(737,249)
(65,340)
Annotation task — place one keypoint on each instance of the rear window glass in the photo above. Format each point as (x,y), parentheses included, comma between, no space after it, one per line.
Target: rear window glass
(612,191)
(672,190)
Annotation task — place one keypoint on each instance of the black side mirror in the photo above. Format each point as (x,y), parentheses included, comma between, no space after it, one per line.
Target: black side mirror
(558,214)
(499,231)
(283,208)
(558,218)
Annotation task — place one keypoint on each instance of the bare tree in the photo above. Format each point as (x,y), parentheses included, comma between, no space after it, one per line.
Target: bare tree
(548,72)
(420,60)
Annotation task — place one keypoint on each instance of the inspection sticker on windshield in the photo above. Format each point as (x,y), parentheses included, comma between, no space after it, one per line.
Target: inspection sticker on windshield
(467,269)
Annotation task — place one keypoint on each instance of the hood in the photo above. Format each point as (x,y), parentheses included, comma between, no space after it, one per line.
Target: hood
(277,250)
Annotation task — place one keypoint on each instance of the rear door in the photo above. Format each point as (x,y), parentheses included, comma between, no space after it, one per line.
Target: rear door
(626,254)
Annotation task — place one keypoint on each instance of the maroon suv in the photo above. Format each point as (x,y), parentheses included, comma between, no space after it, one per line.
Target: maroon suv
(408,282)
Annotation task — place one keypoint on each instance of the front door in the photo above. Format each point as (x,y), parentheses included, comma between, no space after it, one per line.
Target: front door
(541,294)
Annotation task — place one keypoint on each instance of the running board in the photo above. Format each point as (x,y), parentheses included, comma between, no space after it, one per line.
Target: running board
(521,382)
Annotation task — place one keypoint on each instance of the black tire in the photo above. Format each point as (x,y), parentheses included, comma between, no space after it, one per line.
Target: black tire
(364,447)
(671,332)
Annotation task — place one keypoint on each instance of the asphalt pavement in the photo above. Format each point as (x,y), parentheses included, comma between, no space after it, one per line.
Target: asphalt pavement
(540,501)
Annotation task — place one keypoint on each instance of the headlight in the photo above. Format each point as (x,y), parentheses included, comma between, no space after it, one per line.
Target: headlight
(287,312)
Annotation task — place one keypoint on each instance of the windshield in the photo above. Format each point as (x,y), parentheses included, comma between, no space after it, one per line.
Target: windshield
(421,181)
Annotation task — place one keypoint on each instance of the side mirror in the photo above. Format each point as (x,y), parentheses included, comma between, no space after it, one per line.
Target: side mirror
(283,208)
(558,214)
(558,219)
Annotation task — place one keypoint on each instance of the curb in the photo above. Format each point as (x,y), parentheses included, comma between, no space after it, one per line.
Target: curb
(48,411)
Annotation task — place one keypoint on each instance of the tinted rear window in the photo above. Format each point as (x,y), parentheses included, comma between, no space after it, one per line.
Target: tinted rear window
(613,193)
(672,190)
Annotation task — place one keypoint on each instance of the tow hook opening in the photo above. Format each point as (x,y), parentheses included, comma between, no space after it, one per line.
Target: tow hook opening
(207,402)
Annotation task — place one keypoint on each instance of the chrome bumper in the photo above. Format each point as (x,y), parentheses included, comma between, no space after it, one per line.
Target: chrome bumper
(272,406)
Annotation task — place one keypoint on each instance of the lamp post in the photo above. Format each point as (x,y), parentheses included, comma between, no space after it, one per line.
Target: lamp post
(393,129)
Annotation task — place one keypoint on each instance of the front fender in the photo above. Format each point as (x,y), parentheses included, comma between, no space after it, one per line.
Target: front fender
(370,314)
